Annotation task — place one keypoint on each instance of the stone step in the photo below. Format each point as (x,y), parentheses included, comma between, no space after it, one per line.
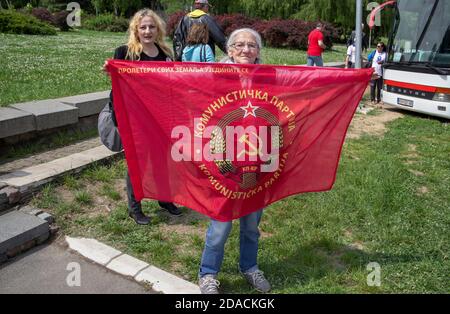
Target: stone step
(19,185)
(14,121)
(20,231)
(50,114)
(88,104)
(8,166)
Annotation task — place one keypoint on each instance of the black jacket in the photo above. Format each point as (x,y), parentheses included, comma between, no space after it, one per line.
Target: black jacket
(216,35)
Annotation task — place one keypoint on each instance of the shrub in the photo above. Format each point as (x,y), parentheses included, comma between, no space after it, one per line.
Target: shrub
(16,23)
(275,33)
(106,22)
(231,22)
(60,20)
(173,21)
(119,24)
(43,14)
(331,34)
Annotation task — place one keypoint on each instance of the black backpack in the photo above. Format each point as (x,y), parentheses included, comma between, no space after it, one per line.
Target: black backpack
(180,35)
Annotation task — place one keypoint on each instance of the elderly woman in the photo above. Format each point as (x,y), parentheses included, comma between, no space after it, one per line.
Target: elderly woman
(243,46)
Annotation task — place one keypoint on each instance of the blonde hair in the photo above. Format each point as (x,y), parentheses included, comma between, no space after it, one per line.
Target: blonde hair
(134,45)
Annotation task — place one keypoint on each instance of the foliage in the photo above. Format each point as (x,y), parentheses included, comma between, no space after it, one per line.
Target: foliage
(16,23)
(173,6)
(268,9)
(275,33)
(60,19)
(230,22)
(293,33)
(43,14)
(173,21)
(341,13)
(106,22)
(124,8)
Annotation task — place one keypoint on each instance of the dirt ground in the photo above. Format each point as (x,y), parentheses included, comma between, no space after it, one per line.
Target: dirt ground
(372,124)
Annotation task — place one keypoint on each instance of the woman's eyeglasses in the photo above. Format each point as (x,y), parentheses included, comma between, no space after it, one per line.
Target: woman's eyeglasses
(241,46)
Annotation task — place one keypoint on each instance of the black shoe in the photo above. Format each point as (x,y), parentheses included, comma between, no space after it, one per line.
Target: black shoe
(140,218)
(171,208)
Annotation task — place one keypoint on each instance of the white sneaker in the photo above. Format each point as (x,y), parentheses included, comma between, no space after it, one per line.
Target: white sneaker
(209,284)
(258,281)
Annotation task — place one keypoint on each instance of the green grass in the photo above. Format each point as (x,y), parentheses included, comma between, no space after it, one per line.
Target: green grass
(83,198)
(71,182)
(390,205)
(44,67)
(109,191)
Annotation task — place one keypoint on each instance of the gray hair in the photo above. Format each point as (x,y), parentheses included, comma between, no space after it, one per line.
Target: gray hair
(232,39)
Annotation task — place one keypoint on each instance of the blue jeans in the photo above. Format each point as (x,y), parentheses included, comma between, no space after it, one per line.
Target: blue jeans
(217,235)
(317,60)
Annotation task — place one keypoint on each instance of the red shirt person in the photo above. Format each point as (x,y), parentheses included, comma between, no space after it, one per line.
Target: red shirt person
(315,46)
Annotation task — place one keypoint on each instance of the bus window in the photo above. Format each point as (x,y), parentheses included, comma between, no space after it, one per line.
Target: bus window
(423,33)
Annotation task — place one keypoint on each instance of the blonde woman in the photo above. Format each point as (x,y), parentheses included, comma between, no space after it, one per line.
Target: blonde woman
(146,35)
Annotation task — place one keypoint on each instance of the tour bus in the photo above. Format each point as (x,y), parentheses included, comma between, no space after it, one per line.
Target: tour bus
(417,72)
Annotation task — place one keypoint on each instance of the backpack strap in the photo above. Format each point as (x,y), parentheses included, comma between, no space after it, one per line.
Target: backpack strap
(203,53)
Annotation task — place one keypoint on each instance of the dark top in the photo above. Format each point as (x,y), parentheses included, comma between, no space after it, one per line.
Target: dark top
(216,35)
(121,52)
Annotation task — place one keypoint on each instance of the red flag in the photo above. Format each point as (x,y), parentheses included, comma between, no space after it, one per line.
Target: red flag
(227,140)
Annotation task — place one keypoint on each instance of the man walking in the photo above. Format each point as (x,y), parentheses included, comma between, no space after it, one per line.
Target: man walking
(199,15)
(315,46)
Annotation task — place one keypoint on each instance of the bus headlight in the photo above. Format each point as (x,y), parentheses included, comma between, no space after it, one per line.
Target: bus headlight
(443,97)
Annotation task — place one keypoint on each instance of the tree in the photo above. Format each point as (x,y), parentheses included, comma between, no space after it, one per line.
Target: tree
(341,13)
(269,9)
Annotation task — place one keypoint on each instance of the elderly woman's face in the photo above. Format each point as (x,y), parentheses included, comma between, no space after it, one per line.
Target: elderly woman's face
(244,49)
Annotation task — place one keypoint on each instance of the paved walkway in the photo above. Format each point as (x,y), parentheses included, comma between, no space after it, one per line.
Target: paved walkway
(40,158)
(44,270)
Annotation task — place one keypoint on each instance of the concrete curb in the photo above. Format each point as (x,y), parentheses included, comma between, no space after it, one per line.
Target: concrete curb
(127,265)
(34,116)
(43,173)
(20,231)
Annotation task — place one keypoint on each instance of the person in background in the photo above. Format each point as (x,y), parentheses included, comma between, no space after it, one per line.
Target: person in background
(198,16)
(315,46)
(376,84)
(350,60)
(197,49)
(352,39)
(146,35)
(244,47)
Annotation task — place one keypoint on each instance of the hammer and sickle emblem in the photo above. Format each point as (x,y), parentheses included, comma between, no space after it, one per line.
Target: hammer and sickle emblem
(253,151)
